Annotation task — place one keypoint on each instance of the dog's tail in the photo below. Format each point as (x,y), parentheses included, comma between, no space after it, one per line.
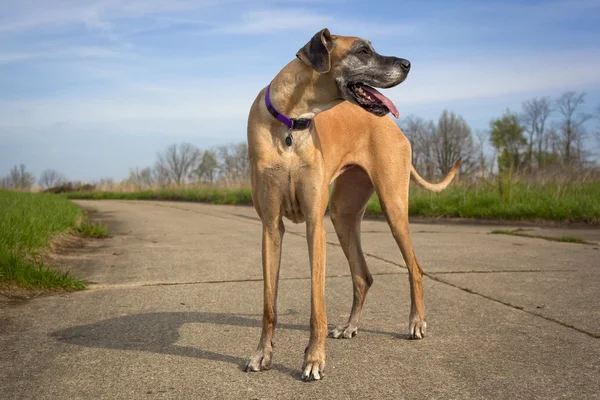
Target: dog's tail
(434,187)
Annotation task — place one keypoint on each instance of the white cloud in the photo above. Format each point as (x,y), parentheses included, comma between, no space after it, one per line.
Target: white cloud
(265,21)
(95,14)
(72,52)
(286,19)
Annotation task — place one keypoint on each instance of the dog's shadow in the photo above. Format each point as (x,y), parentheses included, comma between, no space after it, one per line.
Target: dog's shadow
(158,332)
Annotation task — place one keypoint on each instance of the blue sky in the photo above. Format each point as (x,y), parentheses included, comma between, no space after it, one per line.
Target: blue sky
(93,88)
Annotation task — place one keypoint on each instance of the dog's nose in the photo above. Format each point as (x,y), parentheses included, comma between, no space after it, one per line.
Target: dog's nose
(405,64)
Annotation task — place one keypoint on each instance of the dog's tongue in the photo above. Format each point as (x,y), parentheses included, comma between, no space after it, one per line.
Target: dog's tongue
(386,102)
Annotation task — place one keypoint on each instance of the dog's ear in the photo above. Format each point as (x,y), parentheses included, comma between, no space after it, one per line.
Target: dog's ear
(316,52)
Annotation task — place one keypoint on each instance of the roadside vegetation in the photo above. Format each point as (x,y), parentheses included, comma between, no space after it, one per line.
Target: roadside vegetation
(553,202)
(203,195)
(30,224)
(535,163)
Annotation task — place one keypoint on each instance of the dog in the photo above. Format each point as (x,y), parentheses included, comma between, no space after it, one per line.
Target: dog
(321,121)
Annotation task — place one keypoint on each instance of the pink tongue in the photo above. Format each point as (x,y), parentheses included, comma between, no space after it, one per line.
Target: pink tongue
(386,102)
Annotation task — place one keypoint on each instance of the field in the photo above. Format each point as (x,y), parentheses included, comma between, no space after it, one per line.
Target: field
(575,202)
(29,224)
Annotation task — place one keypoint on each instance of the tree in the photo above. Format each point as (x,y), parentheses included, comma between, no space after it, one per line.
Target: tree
(208,166)
(570,127)
(534,117)
(141,178)
(175,164)
(18,178)
(421,135)
(452,141)
(507,138)
(51,178)
(233,162)
(480,154)
(5,182)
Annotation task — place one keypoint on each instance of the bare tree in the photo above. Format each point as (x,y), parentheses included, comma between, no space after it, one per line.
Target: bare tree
(143,178)
(534,118)
(5,182)
(18,178)
(453,140)
(176,163)
(421,135)
(570,127)
(161,176)
(51,178)
(233,162)
(103,183)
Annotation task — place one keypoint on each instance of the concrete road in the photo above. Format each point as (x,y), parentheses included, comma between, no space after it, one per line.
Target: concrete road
(175,306)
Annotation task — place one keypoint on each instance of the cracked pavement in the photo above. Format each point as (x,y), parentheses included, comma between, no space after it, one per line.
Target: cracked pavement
(174,310)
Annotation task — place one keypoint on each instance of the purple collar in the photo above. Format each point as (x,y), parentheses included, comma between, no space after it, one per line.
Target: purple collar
(295,124)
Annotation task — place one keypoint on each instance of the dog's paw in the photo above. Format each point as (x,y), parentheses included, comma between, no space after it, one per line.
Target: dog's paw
(416,328)
(312,372)
(343,332)
(260,361)
(313,367)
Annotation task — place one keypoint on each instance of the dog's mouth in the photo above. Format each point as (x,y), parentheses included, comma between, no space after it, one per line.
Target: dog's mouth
(372,100)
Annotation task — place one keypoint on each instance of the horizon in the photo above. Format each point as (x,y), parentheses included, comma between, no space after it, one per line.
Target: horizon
(94,88)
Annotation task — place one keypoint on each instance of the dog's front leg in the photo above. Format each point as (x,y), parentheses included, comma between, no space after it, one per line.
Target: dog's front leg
(271,258)
(314,357)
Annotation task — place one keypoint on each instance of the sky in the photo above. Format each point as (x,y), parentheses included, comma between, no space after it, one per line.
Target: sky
(93,88)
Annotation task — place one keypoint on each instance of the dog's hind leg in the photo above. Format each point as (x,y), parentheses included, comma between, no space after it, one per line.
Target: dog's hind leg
(393,195)
(351,193)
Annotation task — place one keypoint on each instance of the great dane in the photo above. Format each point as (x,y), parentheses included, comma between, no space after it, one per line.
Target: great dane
(297,149)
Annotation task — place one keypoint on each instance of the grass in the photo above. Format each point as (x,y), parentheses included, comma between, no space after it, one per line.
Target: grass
(552,202)
(29,224)
(92,230)
(214,196)
(573,239)
(520,232)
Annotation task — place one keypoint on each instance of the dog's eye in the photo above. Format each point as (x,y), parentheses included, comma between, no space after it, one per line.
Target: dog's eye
(365,50)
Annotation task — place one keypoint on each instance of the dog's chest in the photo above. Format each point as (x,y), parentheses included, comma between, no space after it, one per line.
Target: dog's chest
(293,176)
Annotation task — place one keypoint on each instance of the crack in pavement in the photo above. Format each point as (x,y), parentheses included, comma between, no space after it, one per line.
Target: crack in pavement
(505,303)
(100,286)
(430,275)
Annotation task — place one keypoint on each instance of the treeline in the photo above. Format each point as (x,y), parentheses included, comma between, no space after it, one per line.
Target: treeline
(21,179)
(545,140)
(176,166)
(184,163)
(545,137)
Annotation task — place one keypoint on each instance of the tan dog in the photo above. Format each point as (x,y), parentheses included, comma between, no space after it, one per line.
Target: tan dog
(351,144)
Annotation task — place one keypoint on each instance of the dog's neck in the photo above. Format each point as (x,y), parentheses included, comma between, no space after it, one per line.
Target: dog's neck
(298,91)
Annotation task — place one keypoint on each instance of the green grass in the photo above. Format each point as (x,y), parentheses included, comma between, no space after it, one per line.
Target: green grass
(214,196)
(552,202)
(92,230)
(29,222)
(573,239)
(521,233)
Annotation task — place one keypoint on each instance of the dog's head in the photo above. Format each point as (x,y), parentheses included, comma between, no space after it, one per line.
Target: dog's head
(356,69)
